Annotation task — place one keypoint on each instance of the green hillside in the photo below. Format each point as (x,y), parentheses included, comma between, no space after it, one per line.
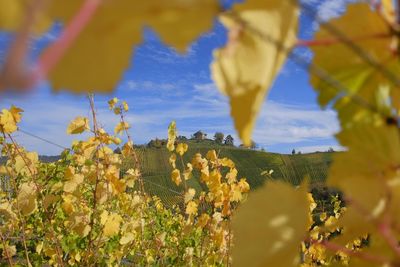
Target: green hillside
(292,168)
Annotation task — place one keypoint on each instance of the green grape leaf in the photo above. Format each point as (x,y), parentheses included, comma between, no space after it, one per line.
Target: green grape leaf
(270,226)
(246,67)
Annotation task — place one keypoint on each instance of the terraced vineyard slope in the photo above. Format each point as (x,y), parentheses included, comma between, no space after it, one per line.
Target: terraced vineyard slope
(250,164)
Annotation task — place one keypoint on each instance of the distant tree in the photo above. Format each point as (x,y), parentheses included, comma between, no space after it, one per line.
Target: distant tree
(263,149)
(199,135)
(293,151)
(331,150)
(157,143)
(117,150)
(299,152)
(253,145)
(228,140)
(181,138)
(219,138)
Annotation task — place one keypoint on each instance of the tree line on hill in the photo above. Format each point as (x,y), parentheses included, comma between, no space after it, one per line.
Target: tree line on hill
(199,136)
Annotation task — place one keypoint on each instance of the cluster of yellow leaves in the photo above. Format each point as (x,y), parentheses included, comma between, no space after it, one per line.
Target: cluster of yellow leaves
(221,192)
(118,109)
(87,196)
(9,119)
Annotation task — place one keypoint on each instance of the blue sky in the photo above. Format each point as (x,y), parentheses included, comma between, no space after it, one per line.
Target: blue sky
(162,86)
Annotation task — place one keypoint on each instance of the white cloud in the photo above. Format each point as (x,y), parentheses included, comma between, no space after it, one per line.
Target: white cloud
(323,148)
(281,123)
(166,55)
(203,109)
(131,85)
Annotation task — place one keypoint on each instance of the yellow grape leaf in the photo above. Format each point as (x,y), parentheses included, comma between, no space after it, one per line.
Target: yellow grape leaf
(212,155)
(127,238)
(171,136)
(191,208)
(9,119)
(117,110)
(16,113)
(71,185)
(236,193)
(172,160)
(68,203)
(214,180)
(105,46)
(80,223)
(244,185)
(227,163)
(112,102)
(181,148)
(358,77)
(127,149)
(13,13)
(125,106)
(203,220)
(9,251)
(39,248)
(388,11)
(173,18)
(372,153)
(187,173)
(26,163)
(78,125)
(189,195)
(6,210)
(49,200)
(103,190)
(246,67)
(231,175)
(176,176)
(122,126)
(27,198)
(111,223)
(270,226)
(112,175)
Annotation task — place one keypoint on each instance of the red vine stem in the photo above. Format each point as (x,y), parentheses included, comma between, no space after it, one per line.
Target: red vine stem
(56,51)
(385,231)
(332,41)
(359,254)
